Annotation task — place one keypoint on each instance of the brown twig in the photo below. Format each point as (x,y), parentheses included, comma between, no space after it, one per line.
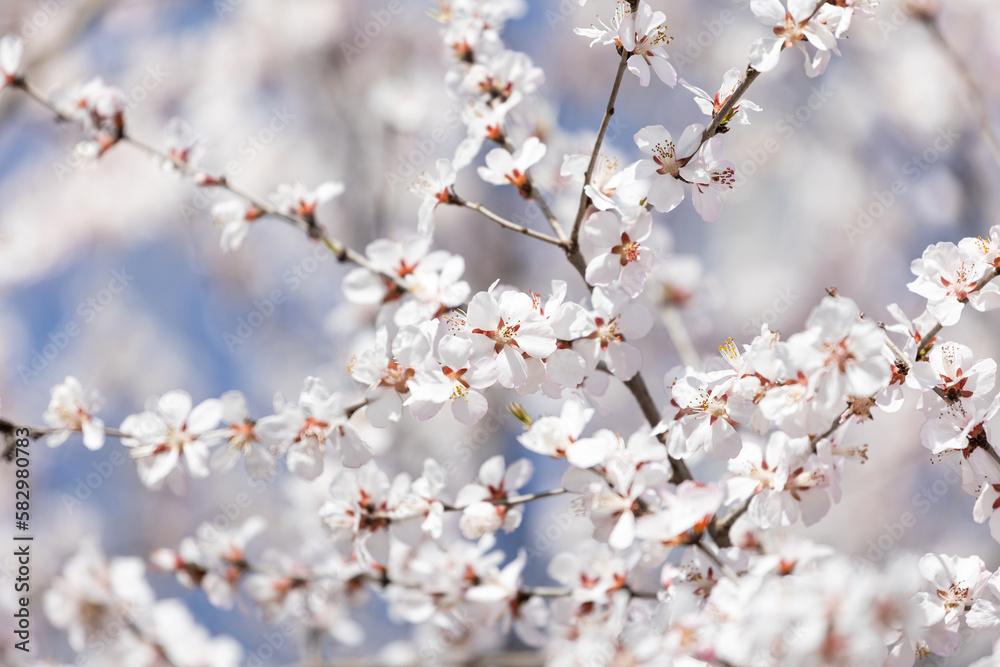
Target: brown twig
(574,239)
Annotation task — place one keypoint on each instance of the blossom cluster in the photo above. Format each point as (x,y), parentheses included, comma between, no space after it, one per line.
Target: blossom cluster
(675,570)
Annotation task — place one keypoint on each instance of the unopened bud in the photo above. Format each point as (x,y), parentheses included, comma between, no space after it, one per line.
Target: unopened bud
(520,414)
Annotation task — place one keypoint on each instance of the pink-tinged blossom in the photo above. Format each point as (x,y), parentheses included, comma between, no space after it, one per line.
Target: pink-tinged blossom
(11,51)
(958,582)
(787,480)
(504,168)
(986,506)
(435,190)
(631,470)
(666,162)
(709,176)
(388,372)
(93,592)
(359,503)
(460,379)
(983,250)
(606,333)
(215,561)
(174,638)
(432,280)
(839,16)
(594,572)
(509,328)
(951,367)
(99,108)
(502,74)
(298,200)
(708,416)
(961,425)
(642,35)
(483,500)
(793,27)
(711,105)
(683,516)
(947,277)
(841,355)
(234,216)
(170,433)
(559,437)
(422,506)
(303,431)
(499,591)
(241,440)
(985,613)
(185,149)
(71,410)
(289,591)
(484,121)
(611,186)
(615,252)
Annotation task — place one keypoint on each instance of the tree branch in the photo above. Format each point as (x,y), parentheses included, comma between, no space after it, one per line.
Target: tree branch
(976,98)
(574,240)
(507,224)
(343,253)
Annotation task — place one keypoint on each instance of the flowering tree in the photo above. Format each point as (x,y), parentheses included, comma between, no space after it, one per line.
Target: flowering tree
(677,514)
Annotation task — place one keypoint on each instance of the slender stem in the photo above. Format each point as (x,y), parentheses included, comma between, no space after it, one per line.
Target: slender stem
(717,120)
(574,240)
(901,360)
(535,195)
(37,431)
(894,348)
(382,579)
(838,421)
(976,98)
(678,333)
(751,75)
(342,252)
(511,501)
(507,224)
(314,647)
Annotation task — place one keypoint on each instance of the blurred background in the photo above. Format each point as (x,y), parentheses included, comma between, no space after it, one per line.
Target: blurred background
(843,181)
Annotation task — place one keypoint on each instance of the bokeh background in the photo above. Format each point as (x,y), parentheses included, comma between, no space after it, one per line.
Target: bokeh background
(811,210)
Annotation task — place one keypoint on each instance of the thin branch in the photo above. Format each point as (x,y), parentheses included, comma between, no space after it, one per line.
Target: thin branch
(637,385)
(680,337)
(748,78)
(838,421)
(719,529)
(507,224)
(574,240)
(901,361)
(718,119)
(511,501)
(38,431)
(894,348)
(535,195)
(976,98)
(309,226)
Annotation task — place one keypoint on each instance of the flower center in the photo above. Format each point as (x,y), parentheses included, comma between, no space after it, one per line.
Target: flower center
(665,155)
(791,31)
